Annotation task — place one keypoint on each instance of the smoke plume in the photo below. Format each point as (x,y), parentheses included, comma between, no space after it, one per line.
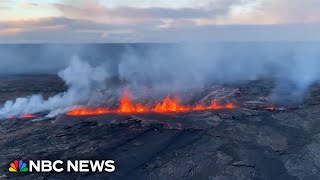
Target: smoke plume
(293,67)
(82,80)
(168,68)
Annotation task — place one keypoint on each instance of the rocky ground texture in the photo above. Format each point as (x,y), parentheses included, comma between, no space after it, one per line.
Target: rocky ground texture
(248,142)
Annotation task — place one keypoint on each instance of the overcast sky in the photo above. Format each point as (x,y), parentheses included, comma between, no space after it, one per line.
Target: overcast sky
(28,21)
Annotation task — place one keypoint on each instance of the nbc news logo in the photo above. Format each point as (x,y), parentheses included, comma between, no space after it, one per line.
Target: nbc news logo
(18,166)
(60,166)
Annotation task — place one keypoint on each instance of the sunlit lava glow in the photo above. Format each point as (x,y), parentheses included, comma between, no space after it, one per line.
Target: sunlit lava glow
(167,105)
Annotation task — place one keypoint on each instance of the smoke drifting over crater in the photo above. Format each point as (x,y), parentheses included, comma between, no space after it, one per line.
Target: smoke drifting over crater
(82,79)
(294,67)
(163,67)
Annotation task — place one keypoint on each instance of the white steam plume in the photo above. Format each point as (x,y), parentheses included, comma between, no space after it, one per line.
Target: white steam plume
(81,78)
(163,69)
(294,67)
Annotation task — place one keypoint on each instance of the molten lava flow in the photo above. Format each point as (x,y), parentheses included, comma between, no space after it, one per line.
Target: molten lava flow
(170,105)
(126,105)
(27,116)
(140,108)
(270,108)
(82,111)
(229,106)
(199,107)
(166,106)
(214,105)
(278,108)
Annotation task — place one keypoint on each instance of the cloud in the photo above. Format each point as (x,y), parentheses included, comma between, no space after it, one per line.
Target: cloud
(47,22)
(27,5)
(274,12)
(81,31)
(168,21)
(61,30)
(291,11)
(99,12)
(235,33)
(4,5)
(209,12)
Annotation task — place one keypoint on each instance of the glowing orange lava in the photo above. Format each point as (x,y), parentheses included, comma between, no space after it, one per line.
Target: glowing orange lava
(170,105)
(27,116)
(82,111)
(199,107)
(166,106)
(230,106)
(126,105)
(270,108)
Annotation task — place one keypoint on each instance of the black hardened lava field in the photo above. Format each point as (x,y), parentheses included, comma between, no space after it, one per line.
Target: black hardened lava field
(253,139)
(160,90)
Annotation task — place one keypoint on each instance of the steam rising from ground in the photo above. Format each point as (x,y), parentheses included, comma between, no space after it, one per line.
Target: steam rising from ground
(175,68)
(82,80)
(294,67)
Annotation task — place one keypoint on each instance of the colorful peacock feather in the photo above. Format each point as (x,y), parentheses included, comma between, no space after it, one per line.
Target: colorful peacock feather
(18,166)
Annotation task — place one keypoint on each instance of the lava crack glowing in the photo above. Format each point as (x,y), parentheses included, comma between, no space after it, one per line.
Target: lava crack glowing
(27,116)
(168,105)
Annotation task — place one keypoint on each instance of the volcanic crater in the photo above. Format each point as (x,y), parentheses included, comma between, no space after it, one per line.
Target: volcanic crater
(238,135)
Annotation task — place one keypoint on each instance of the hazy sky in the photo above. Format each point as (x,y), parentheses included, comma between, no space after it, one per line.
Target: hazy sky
(158,21)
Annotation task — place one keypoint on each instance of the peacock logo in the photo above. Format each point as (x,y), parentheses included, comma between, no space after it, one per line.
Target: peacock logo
(18,166)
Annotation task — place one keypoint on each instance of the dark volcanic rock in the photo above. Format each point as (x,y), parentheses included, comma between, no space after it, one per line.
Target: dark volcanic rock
(242,143)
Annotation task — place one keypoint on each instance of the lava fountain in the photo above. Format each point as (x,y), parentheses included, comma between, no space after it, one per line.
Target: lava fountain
(126,106)
(167,105)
